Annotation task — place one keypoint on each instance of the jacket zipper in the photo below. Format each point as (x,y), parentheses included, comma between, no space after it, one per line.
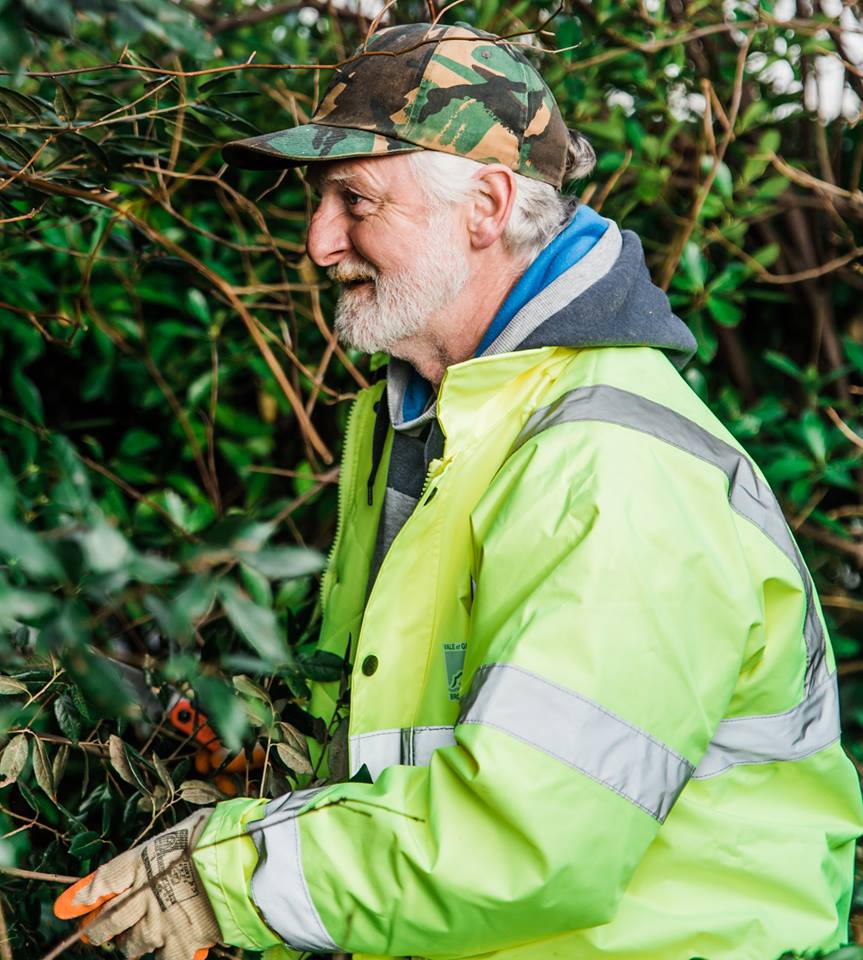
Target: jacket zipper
(345,480)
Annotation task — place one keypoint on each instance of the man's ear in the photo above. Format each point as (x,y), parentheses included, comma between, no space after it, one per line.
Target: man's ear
(492,204)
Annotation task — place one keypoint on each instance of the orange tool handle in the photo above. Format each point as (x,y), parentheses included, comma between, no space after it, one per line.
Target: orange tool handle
(189,720)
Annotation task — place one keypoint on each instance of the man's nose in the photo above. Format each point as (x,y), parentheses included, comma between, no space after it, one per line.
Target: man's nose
(327,241)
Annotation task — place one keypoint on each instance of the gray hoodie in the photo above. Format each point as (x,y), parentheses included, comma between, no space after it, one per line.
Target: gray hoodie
(605,299)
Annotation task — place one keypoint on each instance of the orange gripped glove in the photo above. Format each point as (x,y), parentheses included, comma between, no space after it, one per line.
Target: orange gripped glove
(148,899)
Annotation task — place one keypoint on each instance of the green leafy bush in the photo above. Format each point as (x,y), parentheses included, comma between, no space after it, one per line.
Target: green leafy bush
(173,399)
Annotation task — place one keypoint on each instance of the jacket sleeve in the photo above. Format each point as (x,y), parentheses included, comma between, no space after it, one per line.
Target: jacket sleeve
(612,610)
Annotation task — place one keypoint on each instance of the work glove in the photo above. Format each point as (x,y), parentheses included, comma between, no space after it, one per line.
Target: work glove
(148,898)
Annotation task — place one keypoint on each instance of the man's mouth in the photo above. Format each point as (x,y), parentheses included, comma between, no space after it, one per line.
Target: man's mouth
(355,282)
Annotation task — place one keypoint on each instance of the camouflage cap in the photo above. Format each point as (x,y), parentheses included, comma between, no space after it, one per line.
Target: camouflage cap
(453,89)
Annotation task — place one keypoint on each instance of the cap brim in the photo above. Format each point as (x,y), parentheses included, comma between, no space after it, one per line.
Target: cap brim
(308,143)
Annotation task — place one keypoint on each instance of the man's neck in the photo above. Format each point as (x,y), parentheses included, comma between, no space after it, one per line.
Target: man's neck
(453,335)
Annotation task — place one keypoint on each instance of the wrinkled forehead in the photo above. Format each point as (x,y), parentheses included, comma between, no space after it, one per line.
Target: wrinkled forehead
(380,172)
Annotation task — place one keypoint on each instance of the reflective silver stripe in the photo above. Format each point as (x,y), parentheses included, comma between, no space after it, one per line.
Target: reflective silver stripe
(748,494)
(797,733)
(278,886)
(813,724)
(579,732)
(411,746)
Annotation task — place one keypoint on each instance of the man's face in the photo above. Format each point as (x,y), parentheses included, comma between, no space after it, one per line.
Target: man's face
(399,264)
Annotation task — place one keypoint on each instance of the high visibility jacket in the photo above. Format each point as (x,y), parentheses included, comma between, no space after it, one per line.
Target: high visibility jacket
(592,684)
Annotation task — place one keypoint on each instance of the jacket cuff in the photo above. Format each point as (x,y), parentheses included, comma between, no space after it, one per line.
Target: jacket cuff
(225,857)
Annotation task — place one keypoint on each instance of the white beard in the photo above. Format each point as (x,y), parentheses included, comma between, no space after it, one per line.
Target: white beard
(397,306)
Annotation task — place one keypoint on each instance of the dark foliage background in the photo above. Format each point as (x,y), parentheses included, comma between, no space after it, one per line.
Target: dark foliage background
(172,398)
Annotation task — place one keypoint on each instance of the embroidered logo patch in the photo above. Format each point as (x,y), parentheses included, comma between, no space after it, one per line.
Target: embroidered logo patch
(453,656)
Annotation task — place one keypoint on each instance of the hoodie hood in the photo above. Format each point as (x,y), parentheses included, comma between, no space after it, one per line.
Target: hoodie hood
(589,287)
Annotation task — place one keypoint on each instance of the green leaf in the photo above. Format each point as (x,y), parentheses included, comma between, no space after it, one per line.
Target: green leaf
(769,141)
(293,758)
(68,718)
(73,492)
(305,479)
(105,548)
(42,769)
(85,845)
(168,23)
(150,568)
(724,311)
(854,352)
(19,104)
(256,625)
(786,468)
(28,396)
(172,620)
(225,711)
(705,337)
(771,188)
(785,364)
(54,17)
(178,615)
(767,255)
(198,306)
(25,549)
(96,677)
(751,115)
(58,767)
(64,106)
(137,441)
(91,147)
(14,759)
(729,279)
(723,182)
(322,666)
(697,381)
(15,41)
(163,774)
(200,792)
(9,687)
(119,760)
(257,585)
(285,563)
(694,265)
(815,435)
(242,684)
(13,149)
(240,533)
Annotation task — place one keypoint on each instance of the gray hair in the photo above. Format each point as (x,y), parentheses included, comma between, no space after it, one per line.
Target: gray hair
(539,210)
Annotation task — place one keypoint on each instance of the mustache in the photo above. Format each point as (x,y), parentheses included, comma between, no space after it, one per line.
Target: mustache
(352,271)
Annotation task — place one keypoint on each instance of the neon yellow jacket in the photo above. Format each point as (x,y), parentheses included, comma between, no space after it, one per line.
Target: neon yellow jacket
(638,756)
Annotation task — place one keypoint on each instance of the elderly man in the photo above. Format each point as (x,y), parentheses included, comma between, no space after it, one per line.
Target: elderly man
(593,704)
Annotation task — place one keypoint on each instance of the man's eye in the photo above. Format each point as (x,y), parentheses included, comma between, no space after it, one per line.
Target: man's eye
(352,199)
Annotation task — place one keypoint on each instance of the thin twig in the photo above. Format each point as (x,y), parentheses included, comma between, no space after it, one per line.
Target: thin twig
(844,429)
(845,603)
(785,279)
(813,183)
(5,947)
(677,246)
(34,875)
